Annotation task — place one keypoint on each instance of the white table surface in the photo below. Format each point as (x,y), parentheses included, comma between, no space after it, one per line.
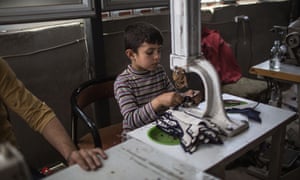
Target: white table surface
(142,158)
(287,72)
(208,156)
(134,160)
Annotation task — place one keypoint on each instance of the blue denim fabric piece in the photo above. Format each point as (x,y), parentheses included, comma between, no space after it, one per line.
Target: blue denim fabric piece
(249,112)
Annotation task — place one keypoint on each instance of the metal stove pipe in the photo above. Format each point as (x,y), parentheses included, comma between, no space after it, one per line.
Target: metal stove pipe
(186,28)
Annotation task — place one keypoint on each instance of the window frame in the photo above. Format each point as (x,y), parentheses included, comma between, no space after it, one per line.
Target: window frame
(109,5)
(13,15)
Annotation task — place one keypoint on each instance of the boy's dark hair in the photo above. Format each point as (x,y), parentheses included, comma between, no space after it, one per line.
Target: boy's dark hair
(138,33)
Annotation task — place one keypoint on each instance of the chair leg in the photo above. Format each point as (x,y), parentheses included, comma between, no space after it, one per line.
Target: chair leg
(74,130)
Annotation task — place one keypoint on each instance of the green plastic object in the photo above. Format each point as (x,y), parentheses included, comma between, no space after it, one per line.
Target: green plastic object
(233,102)
(161,137)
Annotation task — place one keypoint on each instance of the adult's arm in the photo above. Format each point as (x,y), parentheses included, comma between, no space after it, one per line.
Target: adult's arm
(42,119)
(56,135)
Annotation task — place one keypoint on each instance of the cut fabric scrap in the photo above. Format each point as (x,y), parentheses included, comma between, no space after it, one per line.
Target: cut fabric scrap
(166,123)
(190,130)
(249,112)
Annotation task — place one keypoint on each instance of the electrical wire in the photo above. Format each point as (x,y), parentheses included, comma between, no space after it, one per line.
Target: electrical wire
(218,23)
(45,49)
(245,39)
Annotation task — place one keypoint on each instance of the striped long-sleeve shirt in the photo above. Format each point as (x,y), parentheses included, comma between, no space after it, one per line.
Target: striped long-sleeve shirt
(134,91)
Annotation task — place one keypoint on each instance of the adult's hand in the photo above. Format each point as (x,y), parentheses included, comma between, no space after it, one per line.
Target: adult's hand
(87,159)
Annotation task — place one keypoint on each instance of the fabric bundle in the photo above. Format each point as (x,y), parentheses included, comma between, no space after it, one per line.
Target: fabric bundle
(190,130)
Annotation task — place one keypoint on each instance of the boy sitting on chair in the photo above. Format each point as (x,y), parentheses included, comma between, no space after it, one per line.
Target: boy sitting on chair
(143,90)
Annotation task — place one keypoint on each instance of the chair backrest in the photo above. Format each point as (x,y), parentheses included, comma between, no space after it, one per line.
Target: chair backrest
(87,93)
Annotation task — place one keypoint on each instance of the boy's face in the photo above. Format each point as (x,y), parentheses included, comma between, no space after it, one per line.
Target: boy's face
(146,58)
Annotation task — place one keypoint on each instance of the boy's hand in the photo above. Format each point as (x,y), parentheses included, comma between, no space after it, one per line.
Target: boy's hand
(196,96)
(166,100)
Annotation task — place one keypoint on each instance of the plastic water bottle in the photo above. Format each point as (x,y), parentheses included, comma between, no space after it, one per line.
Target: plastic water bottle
(275,56)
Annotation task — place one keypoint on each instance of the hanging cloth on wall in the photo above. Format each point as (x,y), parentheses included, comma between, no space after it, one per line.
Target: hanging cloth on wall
(219,53)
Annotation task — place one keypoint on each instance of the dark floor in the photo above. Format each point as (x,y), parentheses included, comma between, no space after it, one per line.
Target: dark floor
(239,173)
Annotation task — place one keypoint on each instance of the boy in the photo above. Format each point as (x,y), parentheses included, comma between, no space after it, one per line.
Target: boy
(143,90)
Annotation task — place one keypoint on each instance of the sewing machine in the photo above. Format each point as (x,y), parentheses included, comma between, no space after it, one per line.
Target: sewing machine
(292,41)
(186,54)
(290,45)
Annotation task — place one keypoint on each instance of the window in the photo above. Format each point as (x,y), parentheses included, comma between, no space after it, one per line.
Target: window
(108,5)
(16,11)
(22,11)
